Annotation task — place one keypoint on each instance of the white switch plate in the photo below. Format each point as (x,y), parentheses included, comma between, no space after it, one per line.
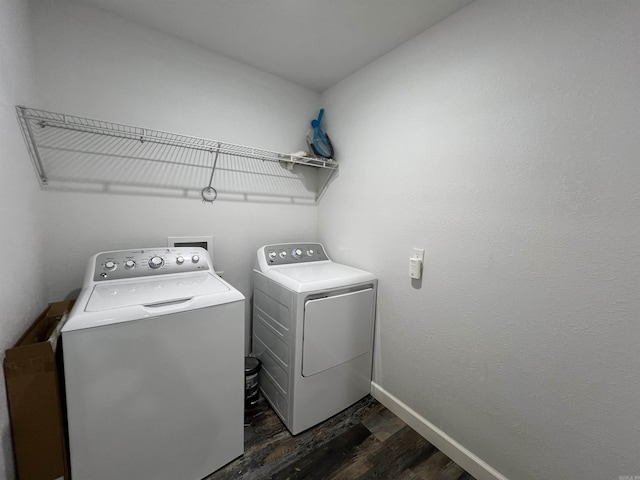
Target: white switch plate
(415,263)
(415,268)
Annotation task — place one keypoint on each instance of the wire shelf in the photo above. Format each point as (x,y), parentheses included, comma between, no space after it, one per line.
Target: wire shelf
(71,152)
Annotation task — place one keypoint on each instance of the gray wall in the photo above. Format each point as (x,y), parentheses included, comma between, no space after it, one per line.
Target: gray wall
(22,290)
(505,141)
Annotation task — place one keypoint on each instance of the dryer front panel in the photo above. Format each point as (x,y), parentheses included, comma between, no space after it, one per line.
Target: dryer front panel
(336,329)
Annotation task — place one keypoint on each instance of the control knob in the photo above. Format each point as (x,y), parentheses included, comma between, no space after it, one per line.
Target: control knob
(272,254)
(283,254)
(129,264)
(110,265)
(296,252)
(179,259)
(310,252)
(195,259)
(156,262)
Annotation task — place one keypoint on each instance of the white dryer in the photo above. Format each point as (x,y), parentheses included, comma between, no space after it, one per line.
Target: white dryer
(313,322)
(154,367)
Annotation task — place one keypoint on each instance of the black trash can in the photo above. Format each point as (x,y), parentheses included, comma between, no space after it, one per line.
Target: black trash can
(251,369)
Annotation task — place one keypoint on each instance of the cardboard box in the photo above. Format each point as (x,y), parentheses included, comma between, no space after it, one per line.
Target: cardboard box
(35,405)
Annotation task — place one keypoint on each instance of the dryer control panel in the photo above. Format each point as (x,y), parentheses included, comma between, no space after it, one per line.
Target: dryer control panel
(149,261)
(289,253)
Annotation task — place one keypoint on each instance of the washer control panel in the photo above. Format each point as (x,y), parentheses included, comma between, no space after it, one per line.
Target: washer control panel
(149,261)
(287,253)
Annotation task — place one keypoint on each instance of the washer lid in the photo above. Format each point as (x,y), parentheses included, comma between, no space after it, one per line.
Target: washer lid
(315,276)
(149,292)
(122,301)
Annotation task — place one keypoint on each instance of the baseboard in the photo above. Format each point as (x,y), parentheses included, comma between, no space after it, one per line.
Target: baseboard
(439,439)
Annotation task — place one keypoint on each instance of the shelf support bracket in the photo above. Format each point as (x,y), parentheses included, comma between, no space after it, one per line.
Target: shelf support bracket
(32,146)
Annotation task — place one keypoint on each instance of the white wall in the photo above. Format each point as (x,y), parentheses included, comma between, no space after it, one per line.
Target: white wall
(22,292)
(94,64)
(505,141)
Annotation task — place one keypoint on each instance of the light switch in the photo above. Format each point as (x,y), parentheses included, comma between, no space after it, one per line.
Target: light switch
(416,262)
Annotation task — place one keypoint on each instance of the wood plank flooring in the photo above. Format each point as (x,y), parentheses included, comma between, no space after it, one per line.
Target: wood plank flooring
(364,442)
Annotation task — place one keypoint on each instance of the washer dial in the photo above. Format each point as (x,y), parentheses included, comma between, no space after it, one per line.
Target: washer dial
(156,262)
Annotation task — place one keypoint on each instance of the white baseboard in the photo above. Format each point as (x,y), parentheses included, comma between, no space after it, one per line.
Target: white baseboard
(439,439)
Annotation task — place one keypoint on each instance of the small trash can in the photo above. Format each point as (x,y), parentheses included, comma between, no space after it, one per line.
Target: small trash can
(251,369)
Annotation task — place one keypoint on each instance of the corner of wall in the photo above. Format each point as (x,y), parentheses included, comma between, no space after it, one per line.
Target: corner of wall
(439,439)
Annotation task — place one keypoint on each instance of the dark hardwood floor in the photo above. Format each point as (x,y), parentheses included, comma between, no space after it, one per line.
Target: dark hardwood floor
(364,442)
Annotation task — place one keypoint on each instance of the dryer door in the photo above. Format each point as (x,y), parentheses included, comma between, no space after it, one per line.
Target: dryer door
(336,329)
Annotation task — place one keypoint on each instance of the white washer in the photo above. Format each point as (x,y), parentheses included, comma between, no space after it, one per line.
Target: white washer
(313,323)
(154,367)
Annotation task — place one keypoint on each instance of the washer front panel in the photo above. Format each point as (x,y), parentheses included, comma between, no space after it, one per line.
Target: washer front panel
(156,399)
